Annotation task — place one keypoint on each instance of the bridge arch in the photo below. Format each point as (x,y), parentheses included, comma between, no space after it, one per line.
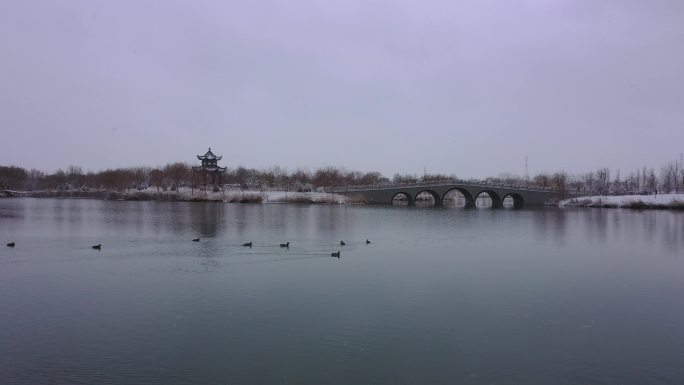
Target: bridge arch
(518,200)
(407,196)
(435,196)
(469,201)
(496,199)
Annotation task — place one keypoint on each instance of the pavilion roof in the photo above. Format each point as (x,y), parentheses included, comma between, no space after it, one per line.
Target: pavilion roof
(211,169)
(209,155)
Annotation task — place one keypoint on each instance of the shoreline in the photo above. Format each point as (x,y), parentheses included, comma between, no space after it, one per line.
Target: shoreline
(186,195)
(632,202)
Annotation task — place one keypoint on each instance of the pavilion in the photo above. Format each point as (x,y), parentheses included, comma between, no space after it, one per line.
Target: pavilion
(210,167)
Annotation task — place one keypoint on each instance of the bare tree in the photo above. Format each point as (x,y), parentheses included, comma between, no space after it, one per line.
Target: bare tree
(638,181)
(178,173)
(157,178)
(651,182)
(617,183)
(589,181)
(406,178)
(644,183)
(602,179)
(12,177)
(676,169)
(542,180)
(34,179)
(558,181)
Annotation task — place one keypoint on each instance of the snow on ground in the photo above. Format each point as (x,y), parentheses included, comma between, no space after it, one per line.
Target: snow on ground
(188,194)
(254,196)
(627,201)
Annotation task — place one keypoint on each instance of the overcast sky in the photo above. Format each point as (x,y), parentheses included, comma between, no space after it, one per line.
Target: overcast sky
(462,87)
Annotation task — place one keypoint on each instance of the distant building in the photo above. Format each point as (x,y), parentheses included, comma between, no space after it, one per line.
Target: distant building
(210,167)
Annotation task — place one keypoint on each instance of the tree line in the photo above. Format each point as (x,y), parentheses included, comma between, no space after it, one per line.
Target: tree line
(173,176)
(176,175)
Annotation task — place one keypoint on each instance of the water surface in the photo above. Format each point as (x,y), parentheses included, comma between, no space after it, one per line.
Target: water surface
(440,296)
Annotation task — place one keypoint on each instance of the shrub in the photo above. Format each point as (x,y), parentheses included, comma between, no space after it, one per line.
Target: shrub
(637,205)
(246,198)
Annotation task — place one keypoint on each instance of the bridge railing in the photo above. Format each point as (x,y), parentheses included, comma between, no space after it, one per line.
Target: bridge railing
(351,188)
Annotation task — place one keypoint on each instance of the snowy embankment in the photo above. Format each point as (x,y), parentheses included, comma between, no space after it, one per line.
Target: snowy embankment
(661,201)
(282,197)
(255,196)
(187,194)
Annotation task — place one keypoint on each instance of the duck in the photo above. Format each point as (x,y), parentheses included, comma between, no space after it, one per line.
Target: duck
(342,243)
(196,240)
(98,246)
(336,255)
(285,245)
(248,244)
(367,242)
(11,244)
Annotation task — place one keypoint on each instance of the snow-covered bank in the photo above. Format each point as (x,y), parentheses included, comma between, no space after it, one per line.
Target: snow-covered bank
(186,194)
(661,201)
(264,197)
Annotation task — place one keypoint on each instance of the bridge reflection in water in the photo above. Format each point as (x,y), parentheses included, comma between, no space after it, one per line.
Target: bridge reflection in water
(450,193)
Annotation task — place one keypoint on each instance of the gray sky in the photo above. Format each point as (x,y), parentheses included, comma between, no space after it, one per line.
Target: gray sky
(463,87)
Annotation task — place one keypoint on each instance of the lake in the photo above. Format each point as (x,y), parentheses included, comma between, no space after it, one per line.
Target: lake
(440,296)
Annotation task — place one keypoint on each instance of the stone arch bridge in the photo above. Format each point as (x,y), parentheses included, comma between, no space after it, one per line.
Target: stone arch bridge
(521,196)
